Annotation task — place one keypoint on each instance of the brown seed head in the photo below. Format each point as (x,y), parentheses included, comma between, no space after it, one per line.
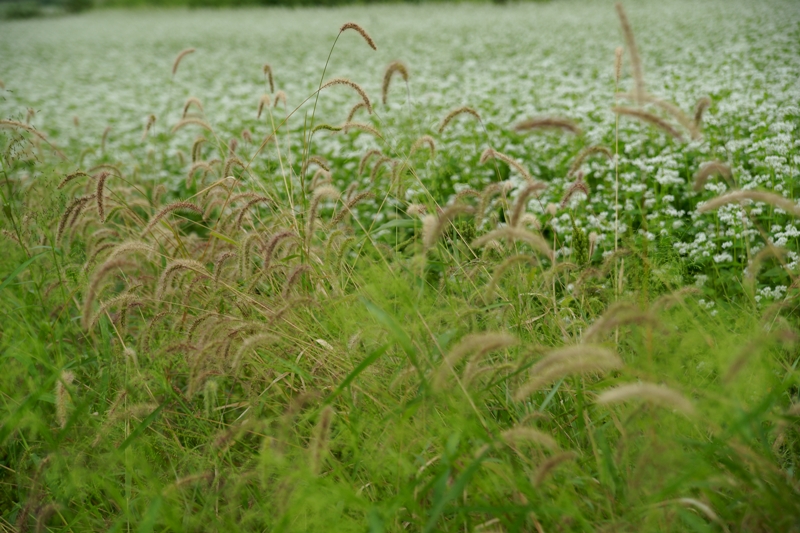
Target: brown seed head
(361,31)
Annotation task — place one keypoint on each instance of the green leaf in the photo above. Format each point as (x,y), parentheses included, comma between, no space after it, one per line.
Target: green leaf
(19,270)
(141,427)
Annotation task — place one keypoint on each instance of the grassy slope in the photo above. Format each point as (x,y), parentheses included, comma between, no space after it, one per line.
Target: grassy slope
(316,392)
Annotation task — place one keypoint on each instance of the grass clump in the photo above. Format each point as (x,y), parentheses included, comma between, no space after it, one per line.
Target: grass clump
(284,354)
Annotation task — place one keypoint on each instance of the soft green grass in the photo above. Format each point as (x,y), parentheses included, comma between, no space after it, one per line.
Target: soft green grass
(358,375)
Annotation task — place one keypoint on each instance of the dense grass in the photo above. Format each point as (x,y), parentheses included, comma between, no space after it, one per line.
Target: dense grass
(315,341)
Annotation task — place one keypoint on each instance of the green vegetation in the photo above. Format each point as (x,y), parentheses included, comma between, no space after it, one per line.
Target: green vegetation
(420,317)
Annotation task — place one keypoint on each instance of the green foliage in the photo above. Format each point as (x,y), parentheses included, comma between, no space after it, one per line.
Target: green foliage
(276,366)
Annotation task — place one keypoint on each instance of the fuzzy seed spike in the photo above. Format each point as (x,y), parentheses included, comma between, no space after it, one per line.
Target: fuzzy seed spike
(646,116)
(454,113)
(536,242)
(395,67)
(649,392)
(355,27)
(541,123)
(756,196)
(353,85)
(267,68)
(179,58)
(175,206)
(579,359)
(633,52)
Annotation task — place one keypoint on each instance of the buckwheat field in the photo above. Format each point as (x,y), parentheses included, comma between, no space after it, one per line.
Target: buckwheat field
(442,267)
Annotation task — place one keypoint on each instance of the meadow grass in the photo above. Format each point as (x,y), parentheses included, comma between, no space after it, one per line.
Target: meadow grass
(397,313)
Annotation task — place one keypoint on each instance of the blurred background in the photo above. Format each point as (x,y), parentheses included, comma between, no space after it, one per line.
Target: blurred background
(21,9)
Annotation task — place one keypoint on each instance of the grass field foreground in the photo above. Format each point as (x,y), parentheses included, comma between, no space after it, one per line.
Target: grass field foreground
(523,268)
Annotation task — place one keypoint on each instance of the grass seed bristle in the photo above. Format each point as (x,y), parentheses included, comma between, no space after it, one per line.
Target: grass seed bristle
(491,153)
(263,102)
(537,242)
(62,397)
(545,123)
(354,110)
(522,201)
(570,360)
(175,206)
(267,69)
(456,112)
(395,67)
(756,196)
(190,121)
(192,101)
(707,170)
(551,464)
(478,343)
(181,55)
(353,85)
(646,116)
(633,51)
(585,153)
(519,434)
(361,31)
(432,232)
(649,392)
(703,103)
(422,141)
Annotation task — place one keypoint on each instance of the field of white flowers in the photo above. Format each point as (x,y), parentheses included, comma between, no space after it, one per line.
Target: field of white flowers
(80,75)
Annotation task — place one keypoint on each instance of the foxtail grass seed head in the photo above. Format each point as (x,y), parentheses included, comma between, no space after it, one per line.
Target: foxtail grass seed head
(648,392)
(268,74)
(175,266)
(361,126)
(633,51)
(395,67)
(280,96)
(456,112)
(365,159)
(525,435)
(355,27)
(62,397)
(575,187)
(522,200)
(699,109)
(709,169)
(551,464)
(537,242)
(502,268)
(101,181)
(491,153)
(421,142)
(191,101)
(756,196)
(586,153)
(476,343)
(189,121)
(432,232)
(549,123)
(348,207)
(151,120)
(76,204)
(179,58)
(570,360)
(321,438)
(353,85)
(175,206)
(262,103)
(650,118)
(293,277)
(272,244)
(618,51)
(355,109)
(73,175)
